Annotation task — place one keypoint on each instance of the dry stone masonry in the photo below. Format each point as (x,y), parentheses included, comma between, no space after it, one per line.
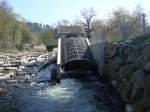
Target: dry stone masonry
(128,67)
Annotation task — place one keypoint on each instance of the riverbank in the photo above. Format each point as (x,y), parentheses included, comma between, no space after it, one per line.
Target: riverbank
(15,65)
(20,71)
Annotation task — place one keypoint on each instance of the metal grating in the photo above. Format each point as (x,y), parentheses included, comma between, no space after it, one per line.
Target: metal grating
(75,49)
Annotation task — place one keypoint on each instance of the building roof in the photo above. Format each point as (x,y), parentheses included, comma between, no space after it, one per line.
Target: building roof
(71,29)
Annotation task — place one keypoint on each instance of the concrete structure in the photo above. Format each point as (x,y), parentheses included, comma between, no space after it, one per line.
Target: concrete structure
(97,48)
(71,31)
(97,51)
(74,53)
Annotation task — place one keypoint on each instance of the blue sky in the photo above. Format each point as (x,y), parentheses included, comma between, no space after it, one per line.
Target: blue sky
(51,11)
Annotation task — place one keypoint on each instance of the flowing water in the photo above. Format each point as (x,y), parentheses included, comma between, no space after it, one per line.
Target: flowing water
(85,94)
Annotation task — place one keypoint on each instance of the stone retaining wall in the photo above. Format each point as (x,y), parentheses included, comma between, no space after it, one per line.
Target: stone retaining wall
(128,67)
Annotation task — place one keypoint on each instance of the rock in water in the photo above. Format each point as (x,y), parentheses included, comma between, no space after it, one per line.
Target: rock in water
(3,91)
(12,81)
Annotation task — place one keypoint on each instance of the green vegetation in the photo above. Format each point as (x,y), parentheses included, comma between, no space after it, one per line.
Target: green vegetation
(122,25)
(44,34)
(17,35)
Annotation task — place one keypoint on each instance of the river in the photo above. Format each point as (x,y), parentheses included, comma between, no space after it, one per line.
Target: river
(34,93)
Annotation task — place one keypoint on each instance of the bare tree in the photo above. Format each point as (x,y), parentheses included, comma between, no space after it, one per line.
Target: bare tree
(86,21)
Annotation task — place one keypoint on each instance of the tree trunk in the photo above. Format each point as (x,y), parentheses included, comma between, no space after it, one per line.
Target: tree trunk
(88,30)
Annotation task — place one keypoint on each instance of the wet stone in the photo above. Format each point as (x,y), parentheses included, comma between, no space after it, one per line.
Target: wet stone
(3,91)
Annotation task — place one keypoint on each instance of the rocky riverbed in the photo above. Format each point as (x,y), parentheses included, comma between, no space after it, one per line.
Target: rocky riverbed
(27,88)
(23,67)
